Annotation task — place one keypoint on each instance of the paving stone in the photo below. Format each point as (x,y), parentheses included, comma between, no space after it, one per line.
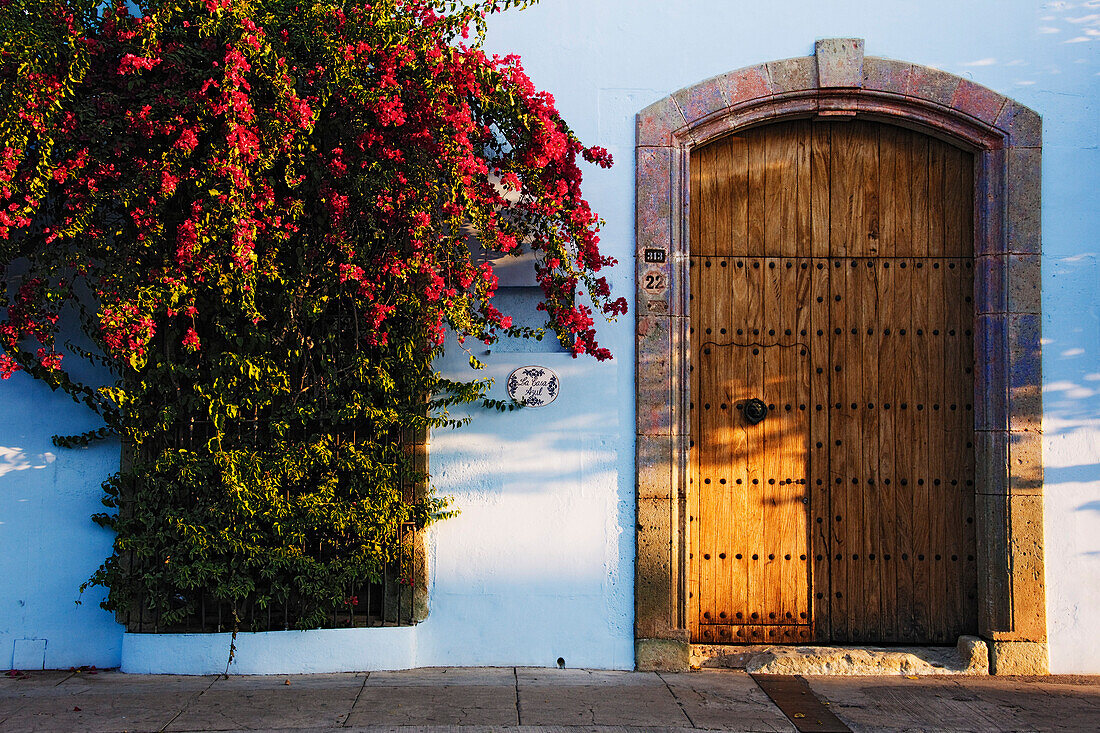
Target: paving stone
(583,697)
(896,704)
(437,697)
(725,700)
(103,703)
(262,702)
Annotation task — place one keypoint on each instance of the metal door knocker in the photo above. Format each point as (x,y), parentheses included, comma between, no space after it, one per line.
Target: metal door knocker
(755,411)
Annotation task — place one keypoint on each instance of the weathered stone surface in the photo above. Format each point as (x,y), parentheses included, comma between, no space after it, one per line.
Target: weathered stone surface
(654,378)
(976,703)
(992,171)
(852,661)
(1019,657)
(725,700)
(1025,408)
(992,278)
(1024,284)
(107,701)
(995,581)
(724,656)
(654,202)
(886,75)
(702,99)
(661,655)
(1024,126)
(653,591)
(1028,578)
(658,122)
(268,702)
(654,223)
(1025,452)
(437,697)
(977,101)
(974,652)
(1024,199)
(1025,350)
(576,697)
(793,75)
(932,84)
(991,462)
(747,84)
(654,455)
(839,62)
(991,371)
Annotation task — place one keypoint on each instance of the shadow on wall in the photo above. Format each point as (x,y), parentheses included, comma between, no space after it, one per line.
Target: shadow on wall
(49,545)
(1071,390)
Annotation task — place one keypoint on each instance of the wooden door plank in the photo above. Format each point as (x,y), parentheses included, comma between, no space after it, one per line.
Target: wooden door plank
(939,347)
(820,446)
(820,192)
(780,191)
(905,147)
(708,445)
(886,506)
(738,171)
(918,210)
(744,447)
(845,199)
(757,149)
(803,490)
(804,203)
(887,163)
(755,515)
(937,159)
(774,439)
(959,203)
(724,243)
(853,387)
(871,224)
(870,408)
(921,339)
(900,344)
(794,434)
(786,536)
(713,215)
(840,435)
(729,359)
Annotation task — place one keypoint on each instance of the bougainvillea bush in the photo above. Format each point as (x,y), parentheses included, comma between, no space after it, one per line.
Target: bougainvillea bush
(256,212)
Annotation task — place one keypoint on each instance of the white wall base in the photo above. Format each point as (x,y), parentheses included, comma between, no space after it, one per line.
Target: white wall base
(271,652)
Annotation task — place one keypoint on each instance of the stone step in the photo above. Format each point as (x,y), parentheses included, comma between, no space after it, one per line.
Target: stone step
(969,657)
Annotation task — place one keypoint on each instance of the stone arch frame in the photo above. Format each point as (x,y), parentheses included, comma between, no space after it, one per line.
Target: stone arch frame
(838,82)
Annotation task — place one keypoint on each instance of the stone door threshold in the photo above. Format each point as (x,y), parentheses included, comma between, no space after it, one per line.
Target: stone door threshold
(970,656)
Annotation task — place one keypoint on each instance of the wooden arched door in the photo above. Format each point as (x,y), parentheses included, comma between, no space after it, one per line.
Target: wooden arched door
(831,279)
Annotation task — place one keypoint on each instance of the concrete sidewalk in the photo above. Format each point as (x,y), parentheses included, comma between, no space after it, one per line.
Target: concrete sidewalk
(525,698)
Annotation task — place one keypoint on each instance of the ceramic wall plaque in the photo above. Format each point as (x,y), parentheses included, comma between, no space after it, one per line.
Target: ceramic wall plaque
(533,386)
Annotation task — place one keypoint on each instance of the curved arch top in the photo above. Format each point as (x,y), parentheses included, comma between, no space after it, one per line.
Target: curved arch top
(839,82)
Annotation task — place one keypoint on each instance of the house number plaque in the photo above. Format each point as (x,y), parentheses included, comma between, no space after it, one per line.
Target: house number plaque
(533,386)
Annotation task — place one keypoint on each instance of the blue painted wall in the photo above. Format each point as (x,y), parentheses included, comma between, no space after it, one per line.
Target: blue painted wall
(539,565)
